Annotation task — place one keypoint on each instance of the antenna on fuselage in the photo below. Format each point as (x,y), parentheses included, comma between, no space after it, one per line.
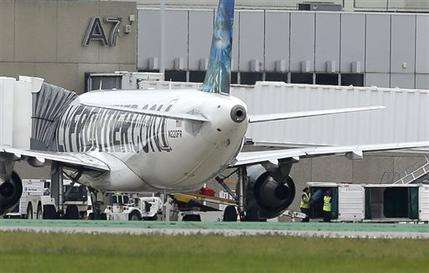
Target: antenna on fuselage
(218,76)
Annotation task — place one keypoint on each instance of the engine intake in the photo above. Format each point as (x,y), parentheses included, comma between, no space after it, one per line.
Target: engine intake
(266,197)
(10,193)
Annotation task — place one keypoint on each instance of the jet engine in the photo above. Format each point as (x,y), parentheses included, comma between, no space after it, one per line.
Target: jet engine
(268,193)
(10,192)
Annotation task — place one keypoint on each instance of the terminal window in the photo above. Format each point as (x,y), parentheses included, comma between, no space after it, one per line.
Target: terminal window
(250,78)
(234,77)
(352,79)
(305,78)
(276,77)
(175,76)
(327,78)
(197,76)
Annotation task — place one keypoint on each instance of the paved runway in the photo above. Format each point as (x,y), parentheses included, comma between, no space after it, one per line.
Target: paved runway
(323,230)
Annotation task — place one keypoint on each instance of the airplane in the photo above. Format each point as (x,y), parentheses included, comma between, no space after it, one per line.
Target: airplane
(166,140)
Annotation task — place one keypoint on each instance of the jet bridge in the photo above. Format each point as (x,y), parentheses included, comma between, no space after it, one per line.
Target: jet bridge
(402,120)
(16,110)
(21,120)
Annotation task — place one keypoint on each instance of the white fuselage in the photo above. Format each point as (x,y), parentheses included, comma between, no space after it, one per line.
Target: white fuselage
(148,153)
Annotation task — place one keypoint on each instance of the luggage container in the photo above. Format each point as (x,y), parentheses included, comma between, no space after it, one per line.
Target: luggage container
(348,201)
(396,202)
(372,202)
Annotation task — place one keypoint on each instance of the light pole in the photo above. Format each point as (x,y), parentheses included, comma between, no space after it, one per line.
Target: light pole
(162,53)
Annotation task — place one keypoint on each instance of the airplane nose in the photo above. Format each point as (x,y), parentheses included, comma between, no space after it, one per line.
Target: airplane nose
(238,113)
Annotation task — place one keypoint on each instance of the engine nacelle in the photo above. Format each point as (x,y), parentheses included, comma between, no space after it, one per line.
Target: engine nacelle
(10,193)
(265,196)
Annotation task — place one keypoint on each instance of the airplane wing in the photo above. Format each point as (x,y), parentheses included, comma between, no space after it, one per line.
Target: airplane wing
(294,115)
(352,152)
(78,160)
(193,117)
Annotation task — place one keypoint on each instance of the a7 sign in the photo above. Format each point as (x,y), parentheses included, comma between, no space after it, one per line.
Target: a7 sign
(95,31)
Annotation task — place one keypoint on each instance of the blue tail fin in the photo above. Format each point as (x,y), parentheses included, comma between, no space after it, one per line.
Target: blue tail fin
(218,76)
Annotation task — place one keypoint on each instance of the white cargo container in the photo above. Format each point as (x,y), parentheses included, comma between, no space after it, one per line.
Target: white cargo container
(348,200)
(372,202)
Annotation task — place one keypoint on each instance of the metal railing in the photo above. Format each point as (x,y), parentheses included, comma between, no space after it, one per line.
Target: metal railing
(415,174)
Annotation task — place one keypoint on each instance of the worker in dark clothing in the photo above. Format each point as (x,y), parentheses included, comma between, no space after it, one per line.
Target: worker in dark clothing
(327,206)
(305,204)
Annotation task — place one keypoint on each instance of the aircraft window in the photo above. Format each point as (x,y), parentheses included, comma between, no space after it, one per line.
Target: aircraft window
(305,78)
(327,78)
(276,77)
(175,76)
(250,77)
(352,79)
(197,76)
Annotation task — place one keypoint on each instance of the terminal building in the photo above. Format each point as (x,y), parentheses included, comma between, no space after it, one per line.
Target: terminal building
(360,48)
(368,43)
(381,43)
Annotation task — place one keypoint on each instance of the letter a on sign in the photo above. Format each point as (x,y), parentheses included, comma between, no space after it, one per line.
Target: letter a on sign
(95,32)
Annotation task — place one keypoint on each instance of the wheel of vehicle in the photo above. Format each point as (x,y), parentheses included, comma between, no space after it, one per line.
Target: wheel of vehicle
(153,218)
(39,214)
(135,216)
(191,218)
(72,212)
(49,212)
(29,211)
(230,214)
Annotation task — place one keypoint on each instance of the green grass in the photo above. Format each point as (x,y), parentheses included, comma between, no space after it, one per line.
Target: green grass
(29,252)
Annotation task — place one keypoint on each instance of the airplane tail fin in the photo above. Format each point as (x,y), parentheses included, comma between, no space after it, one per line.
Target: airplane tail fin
(218,76)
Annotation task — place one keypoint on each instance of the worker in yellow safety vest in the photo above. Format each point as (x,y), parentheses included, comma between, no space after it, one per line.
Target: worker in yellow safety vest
(305,204)
(327,206)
